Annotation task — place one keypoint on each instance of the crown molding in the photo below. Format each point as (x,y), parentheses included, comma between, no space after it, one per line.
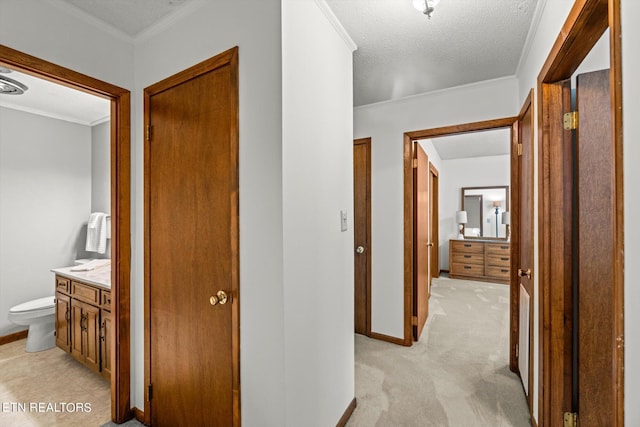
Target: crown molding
(531,35)
(337,25)
(168,20)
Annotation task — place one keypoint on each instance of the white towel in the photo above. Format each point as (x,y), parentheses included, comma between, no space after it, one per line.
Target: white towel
(97,233)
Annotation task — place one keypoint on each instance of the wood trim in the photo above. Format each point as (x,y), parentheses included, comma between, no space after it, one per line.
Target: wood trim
(462,128)
(226,58)
(444,271)
(389,338)
(347,413)
(586,22)
(120,205)
(138,414)
(434,219)
(6,339)
(367,141)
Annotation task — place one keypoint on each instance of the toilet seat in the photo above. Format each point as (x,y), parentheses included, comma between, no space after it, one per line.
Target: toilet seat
(33,309)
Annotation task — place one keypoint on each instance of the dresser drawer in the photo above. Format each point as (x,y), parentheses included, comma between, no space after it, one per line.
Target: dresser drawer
(63,285)
(470,258)
(498,272)
(85,293)
(500,249)
(467,269)
(467,247)
(498,261)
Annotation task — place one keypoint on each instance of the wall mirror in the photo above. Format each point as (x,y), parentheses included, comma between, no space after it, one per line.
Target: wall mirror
(485,207)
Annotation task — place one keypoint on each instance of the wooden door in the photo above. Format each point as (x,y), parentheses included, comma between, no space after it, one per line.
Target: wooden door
(63,317)
(420,240)
(91,337)
(522,288)
(434,226)
(191,182)
(595,252)
(77,329)
(362,234)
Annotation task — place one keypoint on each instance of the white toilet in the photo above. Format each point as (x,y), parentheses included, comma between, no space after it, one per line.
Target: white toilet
(39,315)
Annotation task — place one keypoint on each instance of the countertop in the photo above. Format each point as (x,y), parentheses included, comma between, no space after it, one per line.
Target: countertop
(100,277)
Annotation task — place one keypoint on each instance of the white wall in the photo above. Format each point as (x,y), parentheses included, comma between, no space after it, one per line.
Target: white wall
(469,172)
(386,123)
(318,184)
(45,197)
(101,176)
(214,27)
(631,110)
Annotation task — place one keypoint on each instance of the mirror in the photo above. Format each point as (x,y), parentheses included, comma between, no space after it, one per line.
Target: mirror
(484,207)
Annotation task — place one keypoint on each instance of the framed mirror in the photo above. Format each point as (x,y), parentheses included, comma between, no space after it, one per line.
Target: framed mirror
(485,208)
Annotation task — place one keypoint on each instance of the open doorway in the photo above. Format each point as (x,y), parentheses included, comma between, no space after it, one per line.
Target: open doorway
(118,343)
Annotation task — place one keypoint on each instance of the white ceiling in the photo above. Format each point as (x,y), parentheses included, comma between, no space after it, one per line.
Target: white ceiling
(473,144)
(53,100)
(401,52)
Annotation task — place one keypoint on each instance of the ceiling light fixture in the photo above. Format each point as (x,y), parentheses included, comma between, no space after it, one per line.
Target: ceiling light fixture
(426,6)
(11,87)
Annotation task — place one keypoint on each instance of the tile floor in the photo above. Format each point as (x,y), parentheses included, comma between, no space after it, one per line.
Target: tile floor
(49,388)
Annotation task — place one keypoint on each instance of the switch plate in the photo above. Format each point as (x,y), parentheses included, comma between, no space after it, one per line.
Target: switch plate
(343,221)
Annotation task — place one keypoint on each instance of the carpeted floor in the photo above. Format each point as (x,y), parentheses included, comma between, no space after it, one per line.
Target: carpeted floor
(457,375)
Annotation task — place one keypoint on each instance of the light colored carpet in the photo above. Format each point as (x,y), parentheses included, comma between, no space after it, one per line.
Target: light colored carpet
(457,374)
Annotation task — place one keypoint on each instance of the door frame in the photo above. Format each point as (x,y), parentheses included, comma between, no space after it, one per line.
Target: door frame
(226,58)
(586,22)
(409,137)
(434,220)
(120,209)
(367,143)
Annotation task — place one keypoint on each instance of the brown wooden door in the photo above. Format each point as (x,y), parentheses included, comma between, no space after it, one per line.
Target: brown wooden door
(192,238)
(63,317)
(420,240)
(434,226)
(362,234)
(105,344)
(522,289)
(77,329)
(595,258)
(91,337)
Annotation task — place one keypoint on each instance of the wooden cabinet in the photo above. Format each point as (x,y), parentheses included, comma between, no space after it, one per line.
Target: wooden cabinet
(479,260)
(83,323)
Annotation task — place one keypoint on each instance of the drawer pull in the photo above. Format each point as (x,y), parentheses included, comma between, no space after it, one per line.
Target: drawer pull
(467,245)
(466,267)
(504,271)
(504,247)
(504,259)
(467,256)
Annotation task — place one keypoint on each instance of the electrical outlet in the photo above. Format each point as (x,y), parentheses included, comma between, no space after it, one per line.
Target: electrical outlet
(343,221)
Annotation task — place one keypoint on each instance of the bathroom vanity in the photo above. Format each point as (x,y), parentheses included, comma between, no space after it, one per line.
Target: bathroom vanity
(83,316)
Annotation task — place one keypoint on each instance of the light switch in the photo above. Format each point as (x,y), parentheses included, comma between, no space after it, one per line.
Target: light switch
(343,221)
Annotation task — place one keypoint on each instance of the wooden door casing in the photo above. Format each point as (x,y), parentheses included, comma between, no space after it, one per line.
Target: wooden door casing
(434,225)
(421,240)
(362,234)
(192,238)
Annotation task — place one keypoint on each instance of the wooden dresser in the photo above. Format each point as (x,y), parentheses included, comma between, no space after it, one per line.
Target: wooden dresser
(487,261)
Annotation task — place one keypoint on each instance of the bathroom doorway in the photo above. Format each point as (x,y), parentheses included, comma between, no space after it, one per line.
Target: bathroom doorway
(119,142)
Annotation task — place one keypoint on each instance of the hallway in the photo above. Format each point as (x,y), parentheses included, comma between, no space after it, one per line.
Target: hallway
(456,375)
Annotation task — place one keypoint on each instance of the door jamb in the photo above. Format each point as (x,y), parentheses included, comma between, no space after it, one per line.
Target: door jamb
(586,22)
(434,220)
(506,122)
(367,142)
(120,208)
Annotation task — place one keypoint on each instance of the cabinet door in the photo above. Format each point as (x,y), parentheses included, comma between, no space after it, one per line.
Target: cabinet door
(91,344)
(63,321)
(105,344)
(77,329)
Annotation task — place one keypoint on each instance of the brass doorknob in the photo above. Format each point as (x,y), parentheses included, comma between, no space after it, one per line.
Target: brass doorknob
(360,249)
(219,298)
(523,273)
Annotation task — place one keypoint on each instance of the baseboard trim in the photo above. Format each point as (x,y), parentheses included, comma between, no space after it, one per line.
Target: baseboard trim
(444,271)
(138,414)
(347,413)
(6,339)
(533,422)
(387,338)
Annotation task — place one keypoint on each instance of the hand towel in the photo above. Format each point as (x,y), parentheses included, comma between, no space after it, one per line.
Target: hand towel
(97,233)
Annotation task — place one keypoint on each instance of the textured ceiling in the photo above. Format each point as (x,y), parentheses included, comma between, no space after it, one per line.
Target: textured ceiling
(129,16)
(473,144)
(57,101)
(402,53)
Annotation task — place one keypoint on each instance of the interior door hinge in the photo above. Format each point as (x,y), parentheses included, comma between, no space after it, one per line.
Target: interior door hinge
(148,132)
(517,350)
(519,149)
(570,419)
(414,320)
(570,120)
(149,389)
(415,163)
